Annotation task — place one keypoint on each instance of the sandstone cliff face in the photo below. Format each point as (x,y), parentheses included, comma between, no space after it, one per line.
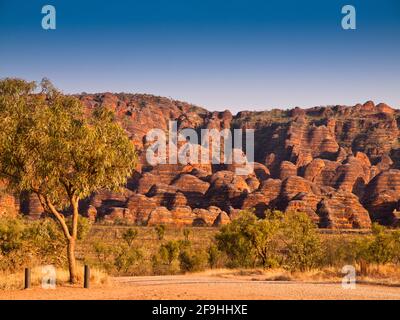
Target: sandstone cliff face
(337,163)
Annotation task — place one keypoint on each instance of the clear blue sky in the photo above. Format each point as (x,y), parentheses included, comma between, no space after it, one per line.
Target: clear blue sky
(247,54)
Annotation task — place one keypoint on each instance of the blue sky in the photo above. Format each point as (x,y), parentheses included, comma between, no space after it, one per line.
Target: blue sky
(230,54)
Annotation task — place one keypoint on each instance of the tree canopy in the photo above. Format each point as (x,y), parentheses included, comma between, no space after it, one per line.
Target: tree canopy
(53,146)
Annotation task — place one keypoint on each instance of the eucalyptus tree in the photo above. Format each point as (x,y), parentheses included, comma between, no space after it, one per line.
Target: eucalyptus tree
(53,146)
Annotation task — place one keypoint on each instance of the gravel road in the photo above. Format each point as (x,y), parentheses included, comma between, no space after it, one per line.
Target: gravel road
(208,287)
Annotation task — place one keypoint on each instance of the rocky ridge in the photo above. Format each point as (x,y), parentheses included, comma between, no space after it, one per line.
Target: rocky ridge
(339,164)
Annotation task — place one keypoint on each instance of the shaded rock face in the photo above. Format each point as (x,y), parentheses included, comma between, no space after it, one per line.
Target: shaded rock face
(382,195)
(339,164)
(342,210)
(192,188)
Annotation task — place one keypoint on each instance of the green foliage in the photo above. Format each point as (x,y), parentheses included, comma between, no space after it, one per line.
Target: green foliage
(303,248)
(169,251)
(49,145)
(126,257)
(129,236)
(192,261)
(46,241)
(379,248)
(11,235)
(338,252)
(232,239)
(52,147)
(288,239)
(160,231)
(213,256)
(264,236)
(33,243)
(396,246)
(12,253)
(249,240)
(116,258)
(84,225)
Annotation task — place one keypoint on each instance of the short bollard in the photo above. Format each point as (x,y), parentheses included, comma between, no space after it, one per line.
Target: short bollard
(86,282)
(27,283)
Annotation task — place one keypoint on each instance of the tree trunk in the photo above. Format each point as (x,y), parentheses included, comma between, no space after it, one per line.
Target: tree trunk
(72,240)
(71,260)
(70,236)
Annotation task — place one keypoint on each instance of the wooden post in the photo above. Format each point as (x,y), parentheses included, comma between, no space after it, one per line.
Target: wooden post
(27,283)
(86,282)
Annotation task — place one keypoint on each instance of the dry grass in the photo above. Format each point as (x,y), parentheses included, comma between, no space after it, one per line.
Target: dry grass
(9,281)
(384,275)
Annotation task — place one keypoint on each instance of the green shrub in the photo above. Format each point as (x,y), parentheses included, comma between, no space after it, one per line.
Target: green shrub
(160,231)
(265,236)
(289,239)
(45,240)
(303,248)
(338,252)
(129,236)
(104,255)
(379,248)
(11,235)
(125,258)
(13,253)
(169,251)
(233,240)
(214,256)
(249,241)
(191,261)
(31,243)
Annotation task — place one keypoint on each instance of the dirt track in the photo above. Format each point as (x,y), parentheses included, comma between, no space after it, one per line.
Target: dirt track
(208,287)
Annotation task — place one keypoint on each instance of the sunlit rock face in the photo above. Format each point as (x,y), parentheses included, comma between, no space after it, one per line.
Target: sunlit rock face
(339,164)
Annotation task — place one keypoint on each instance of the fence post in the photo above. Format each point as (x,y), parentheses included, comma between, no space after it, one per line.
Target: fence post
(27,283)
(86,282)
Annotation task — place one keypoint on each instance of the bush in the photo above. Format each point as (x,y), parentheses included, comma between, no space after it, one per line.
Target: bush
(118,258)
(232,239)
(303,249)
(380,248)
(265,237)
(338,252)
(125,258)
(191,261)
(104,254)
(129,236)
(249,241)
(289,239)
(30,242)
(160,231)
(169,251)
(46,241)
(12,253)
(214,256)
